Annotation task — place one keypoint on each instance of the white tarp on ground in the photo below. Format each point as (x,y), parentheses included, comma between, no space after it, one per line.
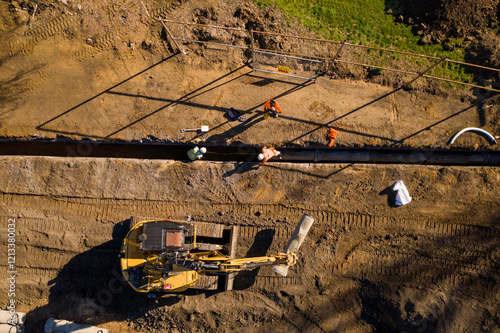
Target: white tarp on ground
(402,195)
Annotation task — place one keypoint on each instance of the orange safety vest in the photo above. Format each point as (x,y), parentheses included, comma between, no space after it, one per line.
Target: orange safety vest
(332,134)
(268,153)
(267,106)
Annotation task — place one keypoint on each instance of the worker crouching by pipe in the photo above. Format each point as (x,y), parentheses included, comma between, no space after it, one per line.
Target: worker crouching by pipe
(196,153)
(331,135)
(271,107)
(266,154)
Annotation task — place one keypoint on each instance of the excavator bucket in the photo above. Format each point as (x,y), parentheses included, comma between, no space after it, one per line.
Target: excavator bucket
(296,241)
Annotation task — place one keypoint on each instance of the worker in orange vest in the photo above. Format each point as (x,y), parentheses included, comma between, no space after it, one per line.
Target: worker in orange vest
(332,134)
(271,107)
(266,154)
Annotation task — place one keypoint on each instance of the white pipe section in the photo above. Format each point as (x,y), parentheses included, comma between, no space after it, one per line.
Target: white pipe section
(296,241)
(7,328)
(17,318)
(479,131)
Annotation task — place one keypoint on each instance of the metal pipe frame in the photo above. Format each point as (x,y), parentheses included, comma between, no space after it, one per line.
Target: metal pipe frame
(287,56)
(210,43)
(344,43)
(295,76)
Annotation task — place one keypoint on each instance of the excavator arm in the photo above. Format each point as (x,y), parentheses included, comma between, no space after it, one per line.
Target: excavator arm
(215,263)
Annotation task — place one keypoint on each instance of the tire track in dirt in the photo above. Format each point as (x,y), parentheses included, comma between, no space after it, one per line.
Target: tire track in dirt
(304,322)
(47,225)
(51,28)
(24,45)
(122,209)
(383,263)
(473,245)
(266,281)
(459,251)
(281,232)
(30,84)
(102,43)
(30,279)
(50,258)
(451,228)
(162,12)
(40,257)
(107,41)
(40,268)
(410,269)
(44,246)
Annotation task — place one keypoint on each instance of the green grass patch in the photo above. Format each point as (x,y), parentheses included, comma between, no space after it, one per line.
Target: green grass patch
(366,22)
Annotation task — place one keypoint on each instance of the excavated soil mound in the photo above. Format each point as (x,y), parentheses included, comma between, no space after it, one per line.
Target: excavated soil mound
(454,18)
(437,22)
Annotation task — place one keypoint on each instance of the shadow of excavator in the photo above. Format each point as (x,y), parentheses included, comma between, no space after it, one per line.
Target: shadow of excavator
(260,246)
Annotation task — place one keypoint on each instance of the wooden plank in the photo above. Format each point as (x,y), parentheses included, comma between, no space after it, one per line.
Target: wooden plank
(205,282)
(233,246)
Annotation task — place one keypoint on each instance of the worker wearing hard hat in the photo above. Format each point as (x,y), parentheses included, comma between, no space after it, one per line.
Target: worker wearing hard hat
(266,154)
(196,153)
(271,107)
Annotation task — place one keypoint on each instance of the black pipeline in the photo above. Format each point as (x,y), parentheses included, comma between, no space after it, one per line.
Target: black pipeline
(394,156)
(155,150)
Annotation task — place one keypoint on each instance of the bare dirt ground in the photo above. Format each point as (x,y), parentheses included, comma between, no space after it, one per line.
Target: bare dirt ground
(108,72)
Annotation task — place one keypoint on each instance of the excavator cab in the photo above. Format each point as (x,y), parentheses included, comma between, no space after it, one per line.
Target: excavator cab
(167,236)
(155,253)
(148,247)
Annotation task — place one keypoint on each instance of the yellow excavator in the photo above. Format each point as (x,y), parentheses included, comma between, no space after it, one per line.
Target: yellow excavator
(159,256)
